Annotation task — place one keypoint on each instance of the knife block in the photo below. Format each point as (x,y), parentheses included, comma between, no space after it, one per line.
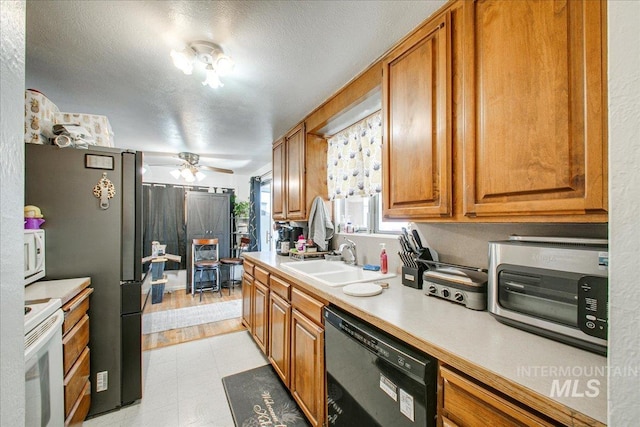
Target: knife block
(412,277)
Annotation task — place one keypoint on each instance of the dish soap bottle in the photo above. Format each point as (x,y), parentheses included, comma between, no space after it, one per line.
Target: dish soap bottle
(301,243)
(383,259)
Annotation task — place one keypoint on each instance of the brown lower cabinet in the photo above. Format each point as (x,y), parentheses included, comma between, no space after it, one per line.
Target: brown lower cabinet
(75,356)
(286,323)
(260,315)
(247,295)
(307,367)
(280,336)
(466,403)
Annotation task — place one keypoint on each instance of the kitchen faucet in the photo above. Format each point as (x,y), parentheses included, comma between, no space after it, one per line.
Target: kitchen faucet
(350,245)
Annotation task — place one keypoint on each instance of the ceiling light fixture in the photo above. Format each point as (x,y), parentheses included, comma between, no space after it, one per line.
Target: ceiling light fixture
(189,170)
(205,53)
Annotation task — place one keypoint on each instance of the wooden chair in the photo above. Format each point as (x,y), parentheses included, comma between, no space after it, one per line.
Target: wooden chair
(204,259)
(235,261)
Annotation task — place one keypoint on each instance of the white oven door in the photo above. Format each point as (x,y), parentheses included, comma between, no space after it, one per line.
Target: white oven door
(44,390)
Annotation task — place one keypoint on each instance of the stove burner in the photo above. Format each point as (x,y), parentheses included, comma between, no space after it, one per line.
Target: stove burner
(27,310)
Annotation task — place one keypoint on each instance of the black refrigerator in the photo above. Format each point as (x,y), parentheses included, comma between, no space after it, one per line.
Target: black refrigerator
(91,201)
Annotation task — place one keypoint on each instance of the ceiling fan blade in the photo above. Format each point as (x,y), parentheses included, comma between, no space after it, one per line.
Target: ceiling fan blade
(214,169)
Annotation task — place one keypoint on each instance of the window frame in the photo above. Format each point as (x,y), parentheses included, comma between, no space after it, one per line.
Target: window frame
(374,217)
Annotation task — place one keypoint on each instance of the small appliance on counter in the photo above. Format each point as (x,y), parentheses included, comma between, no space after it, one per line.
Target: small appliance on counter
(287,237)
(283,241)
(552,286)
(34,256)
(460,284)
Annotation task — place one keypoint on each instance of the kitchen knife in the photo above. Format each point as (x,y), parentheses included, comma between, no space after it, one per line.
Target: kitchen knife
(408,240)
(416,238)
(407,260)
(413,244)
(402,258)
(403,243)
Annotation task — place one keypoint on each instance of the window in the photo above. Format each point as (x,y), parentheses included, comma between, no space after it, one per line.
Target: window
(364,215)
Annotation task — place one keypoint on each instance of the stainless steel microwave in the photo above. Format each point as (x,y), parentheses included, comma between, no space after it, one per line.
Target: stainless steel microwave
(34,256)
(554,287)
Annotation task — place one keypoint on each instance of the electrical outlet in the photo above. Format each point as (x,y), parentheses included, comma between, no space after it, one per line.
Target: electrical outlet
(102,381)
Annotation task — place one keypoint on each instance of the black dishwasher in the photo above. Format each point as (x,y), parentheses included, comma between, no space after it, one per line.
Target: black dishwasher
(373,379)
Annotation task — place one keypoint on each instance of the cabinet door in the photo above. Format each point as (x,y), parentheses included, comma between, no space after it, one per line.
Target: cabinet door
(279,335)
(278,182)
(468,404)
(295,176)
(260,315)
(416,103)
(307,367)
(247,301)
(534,108)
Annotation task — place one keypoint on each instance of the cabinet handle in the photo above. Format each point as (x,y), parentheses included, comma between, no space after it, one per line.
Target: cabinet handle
(79,299)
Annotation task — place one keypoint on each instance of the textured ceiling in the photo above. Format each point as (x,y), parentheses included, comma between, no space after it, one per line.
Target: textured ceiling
(112,58)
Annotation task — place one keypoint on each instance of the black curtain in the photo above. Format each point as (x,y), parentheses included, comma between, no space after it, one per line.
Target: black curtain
(164,221)
(254,213)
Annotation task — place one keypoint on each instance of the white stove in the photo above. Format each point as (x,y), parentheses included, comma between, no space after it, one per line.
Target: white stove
(43,372)
(37,311)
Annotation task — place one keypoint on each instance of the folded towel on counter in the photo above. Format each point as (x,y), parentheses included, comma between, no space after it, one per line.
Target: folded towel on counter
(371,267)
(320,225)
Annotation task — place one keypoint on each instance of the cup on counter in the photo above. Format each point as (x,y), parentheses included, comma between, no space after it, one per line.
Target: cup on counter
(284,248)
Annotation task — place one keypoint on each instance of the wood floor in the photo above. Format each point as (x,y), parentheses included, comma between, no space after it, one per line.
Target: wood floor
(180,299)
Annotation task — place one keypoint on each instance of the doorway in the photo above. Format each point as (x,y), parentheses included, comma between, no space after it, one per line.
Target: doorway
(266,240)
(173,215)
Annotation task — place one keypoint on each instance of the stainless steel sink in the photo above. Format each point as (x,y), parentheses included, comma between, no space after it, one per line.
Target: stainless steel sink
(333,273)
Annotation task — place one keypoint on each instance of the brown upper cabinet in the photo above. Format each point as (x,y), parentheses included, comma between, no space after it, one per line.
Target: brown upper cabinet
(535,113)
(496,111)
(295,173)
(493,111)
(288,192)
(416,101)
(278,180)
(299,174)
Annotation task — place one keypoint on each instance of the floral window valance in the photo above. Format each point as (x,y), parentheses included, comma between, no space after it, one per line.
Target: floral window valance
(354,159)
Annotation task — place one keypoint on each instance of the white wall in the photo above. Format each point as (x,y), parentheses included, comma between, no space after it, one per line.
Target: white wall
(12,53)
(624,202)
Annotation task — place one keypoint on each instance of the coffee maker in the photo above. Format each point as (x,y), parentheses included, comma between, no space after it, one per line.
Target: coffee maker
(287,237)
(284,236)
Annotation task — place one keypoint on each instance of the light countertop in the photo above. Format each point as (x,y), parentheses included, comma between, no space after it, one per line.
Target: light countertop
(500,356)
(64,289)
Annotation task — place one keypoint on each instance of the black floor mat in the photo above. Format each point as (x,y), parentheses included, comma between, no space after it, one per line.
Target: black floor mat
(257,398)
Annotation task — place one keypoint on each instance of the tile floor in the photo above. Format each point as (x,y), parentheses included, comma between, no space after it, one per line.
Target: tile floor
(183,384)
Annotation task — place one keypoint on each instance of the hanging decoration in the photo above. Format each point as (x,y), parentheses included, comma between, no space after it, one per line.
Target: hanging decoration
(104,190)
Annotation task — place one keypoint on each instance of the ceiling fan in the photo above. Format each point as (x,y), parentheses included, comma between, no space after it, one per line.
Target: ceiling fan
(189,169)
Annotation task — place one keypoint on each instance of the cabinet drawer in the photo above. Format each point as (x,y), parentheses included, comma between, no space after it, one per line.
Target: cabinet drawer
(280,287)
(261,275)
(75,309)
(75,381)
(467,403)
(74,343)
(310,307)
(248,267)
(80,409)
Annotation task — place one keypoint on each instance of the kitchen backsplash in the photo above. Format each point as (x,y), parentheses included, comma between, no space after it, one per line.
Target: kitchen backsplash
(465,244)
